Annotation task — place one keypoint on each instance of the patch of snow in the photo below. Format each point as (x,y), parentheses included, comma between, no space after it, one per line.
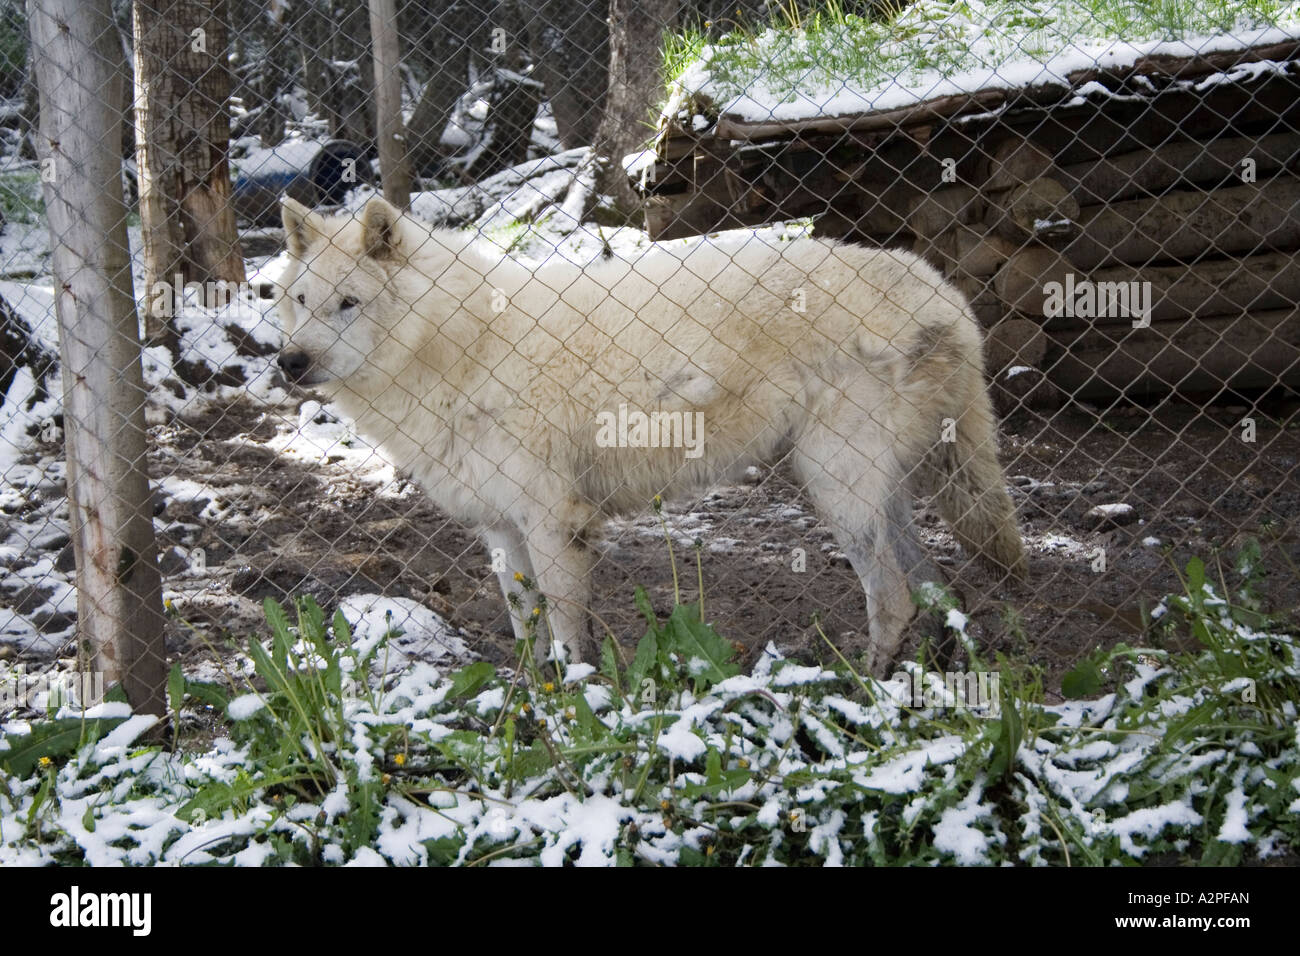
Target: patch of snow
(424,635)
(954,833)
(245,706)
(1234,828)
(1115,510)
(905,773)
(1149,822)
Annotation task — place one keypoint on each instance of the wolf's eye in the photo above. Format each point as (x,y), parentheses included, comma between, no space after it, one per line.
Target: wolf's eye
(347,302)
(302,299)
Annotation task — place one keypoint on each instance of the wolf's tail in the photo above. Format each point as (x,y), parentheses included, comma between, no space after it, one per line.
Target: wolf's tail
(962,472)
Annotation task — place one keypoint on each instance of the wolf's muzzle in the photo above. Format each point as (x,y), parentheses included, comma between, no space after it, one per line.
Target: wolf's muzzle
(295,363)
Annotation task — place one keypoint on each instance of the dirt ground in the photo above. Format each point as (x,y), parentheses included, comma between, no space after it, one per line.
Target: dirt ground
(271,525)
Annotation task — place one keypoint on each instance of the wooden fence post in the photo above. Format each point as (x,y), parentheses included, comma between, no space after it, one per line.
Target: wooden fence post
(81,73)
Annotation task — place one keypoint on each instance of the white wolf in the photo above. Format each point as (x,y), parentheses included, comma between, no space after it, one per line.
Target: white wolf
(491,384)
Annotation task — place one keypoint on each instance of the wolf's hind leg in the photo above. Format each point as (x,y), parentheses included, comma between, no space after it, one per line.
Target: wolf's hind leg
(860,490)
(564,564)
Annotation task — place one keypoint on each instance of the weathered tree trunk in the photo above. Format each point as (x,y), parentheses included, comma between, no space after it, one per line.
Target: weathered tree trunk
(569,42)
(1019,283)
(512,110)
(350,89)
(513,100)
(966,251)
(1041,209)
(394,167)
(1015,161)
(182,84)
(313,29)
(447,46)
(636,28)
(79,71)
(276,74)
(333,38)
(932,214)
(1013,342)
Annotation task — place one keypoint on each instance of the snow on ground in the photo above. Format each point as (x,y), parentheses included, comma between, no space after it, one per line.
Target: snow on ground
(463,204)
(23,412)
(34,548)
(34,526)
(940,48)
(24,248)
(513,194)
(239,341)
(418,632)
(321,435)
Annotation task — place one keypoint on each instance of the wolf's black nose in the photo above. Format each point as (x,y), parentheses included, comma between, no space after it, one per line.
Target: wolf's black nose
(294,363)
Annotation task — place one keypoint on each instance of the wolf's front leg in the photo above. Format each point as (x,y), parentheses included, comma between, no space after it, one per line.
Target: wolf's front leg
(509,555)
(564,564)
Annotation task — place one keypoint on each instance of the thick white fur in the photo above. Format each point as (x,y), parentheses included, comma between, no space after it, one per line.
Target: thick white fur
(484,379)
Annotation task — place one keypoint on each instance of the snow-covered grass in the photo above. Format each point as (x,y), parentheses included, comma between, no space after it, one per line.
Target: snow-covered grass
(834,62)
(675,758)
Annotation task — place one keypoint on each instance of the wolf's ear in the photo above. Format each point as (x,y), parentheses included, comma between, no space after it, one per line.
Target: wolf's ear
(381,224)
(301,225)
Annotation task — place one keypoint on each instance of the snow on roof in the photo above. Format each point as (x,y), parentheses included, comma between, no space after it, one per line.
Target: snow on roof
(971,47)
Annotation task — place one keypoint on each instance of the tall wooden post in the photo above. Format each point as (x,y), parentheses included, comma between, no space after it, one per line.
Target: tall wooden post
(81,72)
(394,165)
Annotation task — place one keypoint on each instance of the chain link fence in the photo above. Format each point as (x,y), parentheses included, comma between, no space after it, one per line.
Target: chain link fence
(361,406)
